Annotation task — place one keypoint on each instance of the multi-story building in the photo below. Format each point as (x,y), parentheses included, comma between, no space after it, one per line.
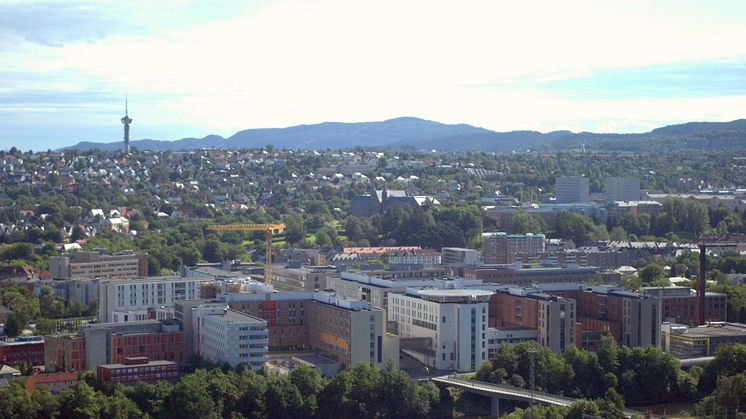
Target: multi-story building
(144,293)
(26,349)
(633,319)
(572,189)
(375,290)
(302,278)
(459,256)
(82,290)
(526,274)
(183,313)
(553,317)
(691,342)
(425,257)
(622,188)
(679,304)
(135,369)
(346,330)
(499,337)
(453,321)
(64,352)
(503,248)
(225,336)
(97,264)
(106,343)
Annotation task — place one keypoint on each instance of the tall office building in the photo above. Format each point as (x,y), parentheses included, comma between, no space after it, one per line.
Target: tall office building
(572,189)
(622,188)
(225,336)
(452,321)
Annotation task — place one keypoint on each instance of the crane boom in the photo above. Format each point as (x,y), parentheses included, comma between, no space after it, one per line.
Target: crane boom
(268,229)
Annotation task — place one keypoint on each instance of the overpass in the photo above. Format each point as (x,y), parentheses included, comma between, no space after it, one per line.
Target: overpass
(497,391)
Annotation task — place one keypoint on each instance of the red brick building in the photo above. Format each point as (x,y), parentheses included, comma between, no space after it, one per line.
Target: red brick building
(166,346)
(136,369)
(679,304)
(64,352)
(27,349)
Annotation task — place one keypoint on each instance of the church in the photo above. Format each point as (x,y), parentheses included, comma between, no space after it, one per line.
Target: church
(378,202)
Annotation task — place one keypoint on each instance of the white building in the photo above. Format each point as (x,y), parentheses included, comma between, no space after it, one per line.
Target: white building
(459,256)
(622,188)
(376,290)
(499,337)
(572,189)
(142,294)
(222,335)
(425,257)
(452,321)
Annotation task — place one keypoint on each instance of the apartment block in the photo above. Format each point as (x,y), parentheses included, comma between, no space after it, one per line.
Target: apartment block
(553,317)
(225,336)
(622,188)
(572,189)
(346,330)
(502,248)
(679,304)
(98,264)
(633,319)
(144,293)
(452,322)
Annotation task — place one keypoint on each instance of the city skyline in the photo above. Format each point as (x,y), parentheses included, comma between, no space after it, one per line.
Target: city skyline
(198,68)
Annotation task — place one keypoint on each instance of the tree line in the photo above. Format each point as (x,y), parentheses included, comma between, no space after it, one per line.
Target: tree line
(357,392)
(616,376)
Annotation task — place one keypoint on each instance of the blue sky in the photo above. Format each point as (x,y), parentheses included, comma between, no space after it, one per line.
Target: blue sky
(193,68)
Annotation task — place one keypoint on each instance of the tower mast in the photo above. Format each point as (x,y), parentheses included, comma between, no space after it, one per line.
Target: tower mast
(126,121)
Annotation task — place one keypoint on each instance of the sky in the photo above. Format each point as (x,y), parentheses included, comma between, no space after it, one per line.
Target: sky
(194,68)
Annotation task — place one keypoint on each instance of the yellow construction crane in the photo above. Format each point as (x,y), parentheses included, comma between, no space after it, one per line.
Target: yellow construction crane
(268,229)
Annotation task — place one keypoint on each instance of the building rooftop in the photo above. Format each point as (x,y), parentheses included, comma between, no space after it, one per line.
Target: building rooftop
(147,364)
(452,295)
(716,330)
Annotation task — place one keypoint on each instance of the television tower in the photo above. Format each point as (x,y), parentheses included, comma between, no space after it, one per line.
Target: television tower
(126,120)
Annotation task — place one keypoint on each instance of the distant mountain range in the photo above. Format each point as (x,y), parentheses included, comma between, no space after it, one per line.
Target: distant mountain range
(415,133)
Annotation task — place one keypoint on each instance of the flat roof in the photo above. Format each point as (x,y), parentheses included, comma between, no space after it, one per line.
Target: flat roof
(455,292)
(149,364)
(716,330)
(239,317)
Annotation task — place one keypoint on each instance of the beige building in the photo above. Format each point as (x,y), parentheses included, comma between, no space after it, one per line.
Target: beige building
(304,278)
(98,264)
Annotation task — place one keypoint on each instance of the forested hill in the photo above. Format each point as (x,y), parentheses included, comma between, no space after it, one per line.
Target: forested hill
(408,133)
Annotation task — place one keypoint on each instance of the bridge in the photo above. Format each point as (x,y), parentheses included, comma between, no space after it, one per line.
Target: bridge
(497,391)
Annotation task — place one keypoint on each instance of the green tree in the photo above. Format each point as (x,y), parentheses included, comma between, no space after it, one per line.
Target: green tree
(651,273)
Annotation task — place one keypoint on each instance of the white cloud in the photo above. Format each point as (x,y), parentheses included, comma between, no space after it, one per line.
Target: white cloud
(288,62)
